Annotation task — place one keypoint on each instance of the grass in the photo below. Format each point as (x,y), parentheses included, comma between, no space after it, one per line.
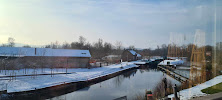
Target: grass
(213,89)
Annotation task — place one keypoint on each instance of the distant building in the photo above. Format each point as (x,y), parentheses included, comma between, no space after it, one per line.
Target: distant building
(46,57)
(112,58)
(130,55)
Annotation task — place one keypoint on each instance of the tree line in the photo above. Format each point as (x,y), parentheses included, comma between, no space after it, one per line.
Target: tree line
(97,49)
(101,48)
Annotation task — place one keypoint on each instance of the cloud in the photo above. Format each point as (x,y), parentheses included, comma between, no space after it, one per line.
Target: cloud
(129,21)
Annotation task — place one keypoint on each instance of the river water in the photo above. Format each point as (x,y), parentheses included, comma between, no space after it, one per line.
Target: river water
(128,85)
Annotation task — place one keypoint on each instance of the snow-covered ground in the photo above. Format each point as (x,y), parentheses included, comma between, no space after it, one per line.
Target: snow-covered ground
(27,83)
(183,68)
(139,62)
(196,91)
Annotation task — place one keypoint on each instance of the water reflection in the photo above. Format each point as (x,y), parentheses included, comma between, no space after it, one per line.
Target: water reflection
(128,84)
(119,79)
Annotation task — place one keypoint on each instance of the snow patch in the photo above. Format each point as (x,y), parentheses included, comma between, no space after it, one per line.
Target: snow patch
(196,90)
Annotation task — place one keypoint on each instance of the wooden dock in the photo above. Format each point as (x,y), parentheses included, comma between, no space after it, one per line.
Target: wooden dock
(172,74)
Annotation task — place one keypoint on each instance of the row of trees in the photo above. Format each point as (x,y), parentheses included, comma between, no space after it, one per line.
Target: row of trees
(100,48)
(97,49)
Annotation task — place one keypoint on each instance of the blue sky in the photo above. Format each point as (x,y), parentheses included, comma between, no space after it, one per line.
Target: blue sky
(142,23)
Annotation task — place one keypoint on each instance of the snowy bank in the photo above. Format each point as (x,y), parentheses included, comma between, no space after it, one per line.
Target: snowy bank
(28,83)
(139,62)
(196,90)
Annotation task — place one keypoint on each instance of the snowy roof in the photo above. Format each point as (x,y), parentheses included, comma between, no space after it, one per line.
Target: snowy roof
(21,52)
(171,62)
(134,53)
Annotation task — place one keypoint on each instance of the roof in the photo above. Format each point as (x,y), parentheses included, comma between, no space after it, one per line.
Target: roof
(21,52)
(134,53)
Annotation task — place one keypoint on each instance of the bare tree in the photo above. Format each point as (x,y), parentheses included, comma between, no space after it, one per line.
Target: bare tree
(98,49)
(107,48)
(55,45)
(132,47)
(4,45)
(11,42)
(82,40)
(66,45)
(27,46)
(99,44)
(47,46)
(118,45)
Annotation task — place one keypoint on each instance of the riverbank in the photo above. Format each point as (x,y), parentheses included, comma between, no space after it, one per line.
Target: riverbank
(213,89)
(30,83)
(196,90)
(216,96)
(129,84)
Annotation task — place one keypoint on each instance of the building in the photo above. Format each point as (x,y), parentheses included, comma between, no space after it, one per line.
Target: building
(44,57)
(130,55)
(112,58)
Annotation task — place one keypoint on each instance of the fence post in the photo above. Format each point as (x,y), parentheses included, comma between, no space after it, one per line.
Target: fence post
(6,87)
(165,86)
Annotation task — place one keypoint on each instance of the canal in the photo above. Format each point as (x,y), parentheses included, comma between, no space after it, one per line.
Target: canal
(129,85)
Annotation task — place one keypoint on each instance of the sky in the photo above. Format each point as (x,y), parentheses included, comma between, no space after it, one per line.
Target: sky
(142,23)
